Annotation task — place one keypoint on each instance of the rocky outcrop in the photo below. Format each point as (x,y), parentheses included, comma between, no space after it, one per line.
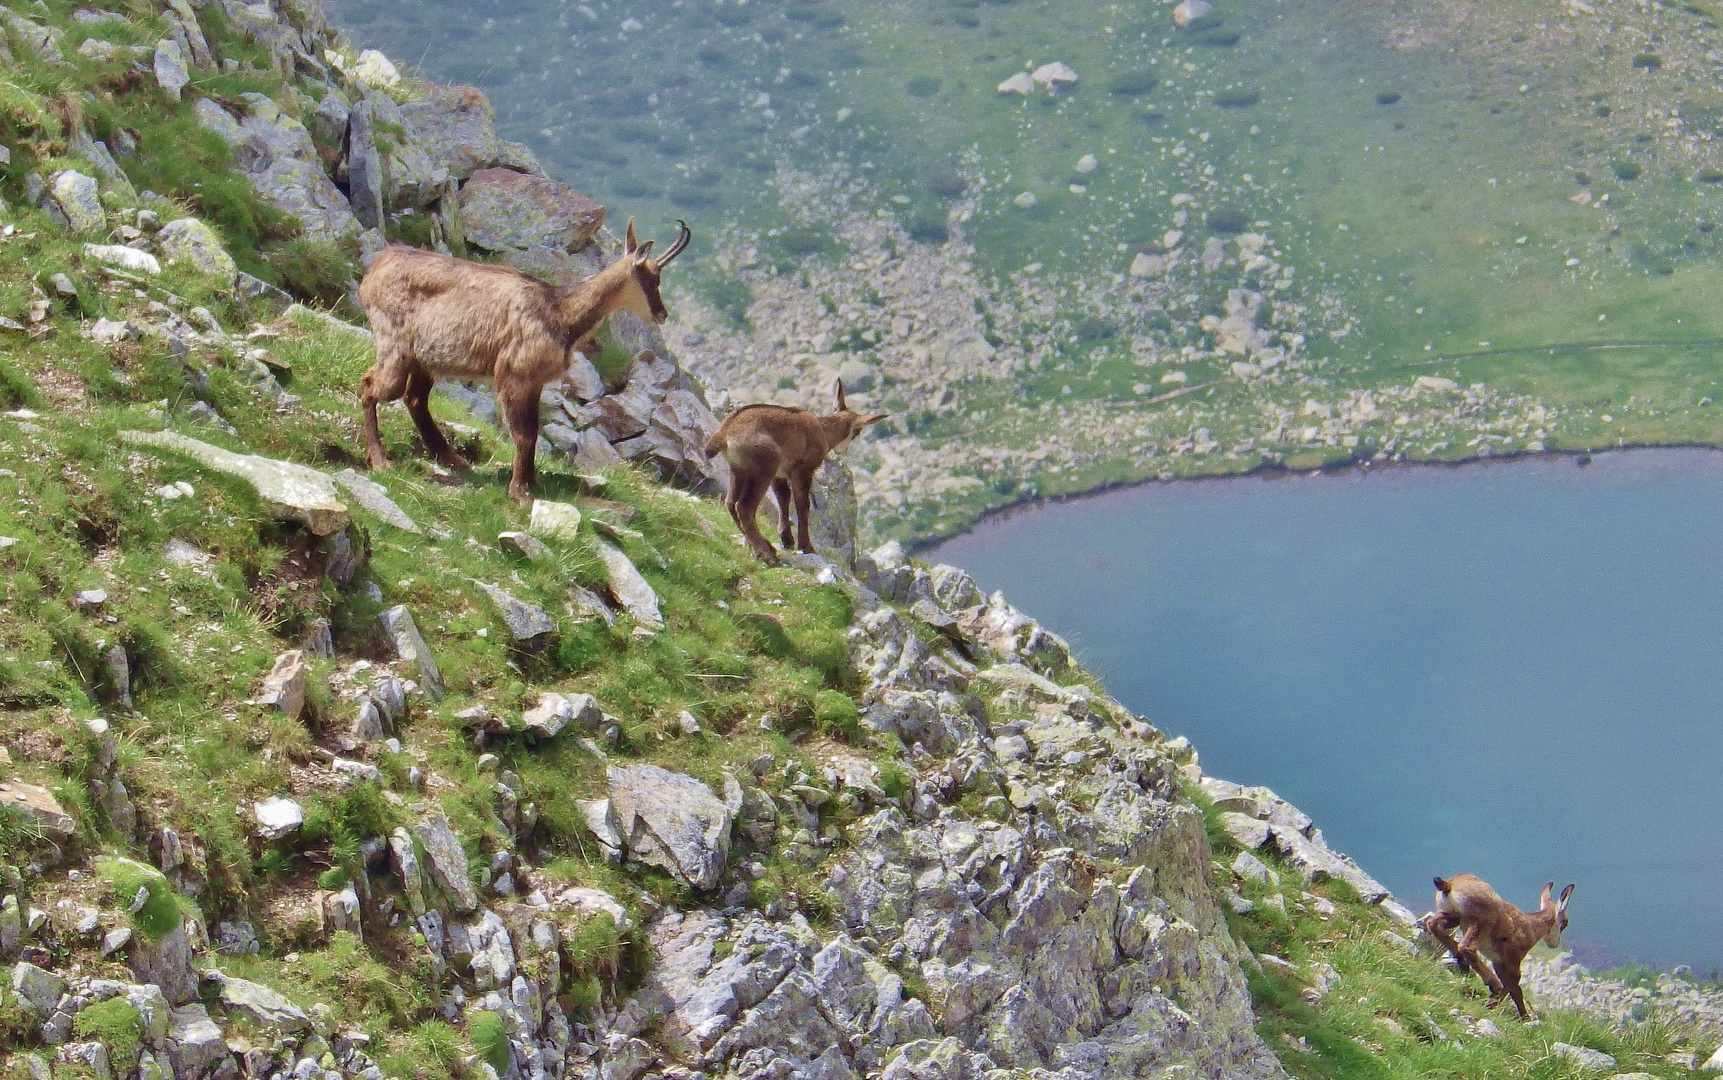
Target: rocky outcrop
(291,491)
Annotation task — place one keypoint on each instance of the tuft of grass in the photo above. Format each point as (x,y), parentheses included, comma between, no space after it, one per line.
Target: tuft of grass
(490,1038)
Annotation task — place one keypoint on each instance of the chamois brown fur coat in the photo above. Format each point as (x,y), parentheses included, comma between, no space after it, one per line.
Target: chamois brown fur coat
(439,317)
(779,449)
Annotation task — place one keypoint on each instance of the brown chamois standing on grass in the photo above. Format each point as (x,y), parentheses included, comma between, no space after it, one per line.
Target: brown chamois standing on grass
(439,317)
(779,449)
(1497,929)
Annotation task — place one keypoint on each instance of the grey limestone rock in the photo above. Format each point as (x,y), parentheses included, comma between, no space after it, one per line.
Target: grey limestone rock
(456,128)
(165,962)
(284,686)
(527,625)
(503,210)
(671,821)
(410,647)
(261,1004)
(170,67)
(630,589)
(447,862)
(197,1046)
(38,988)
(189,242)
(74,195)
(372,497)
(293,492)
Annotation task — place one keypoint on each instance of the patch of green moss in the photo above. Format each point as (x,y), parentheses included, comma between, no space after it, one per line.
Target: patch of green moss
(490,1038)
(116,1024)
(161,912)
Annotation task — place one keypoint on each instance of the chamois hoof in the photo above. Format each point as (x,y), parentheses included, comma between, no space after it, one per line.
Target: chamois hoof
(456,462)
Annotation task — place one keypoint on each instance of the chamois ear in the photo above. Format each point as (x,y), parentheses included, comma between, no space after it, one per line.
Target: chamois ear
(841,406)
(629,245)
(1544,897)
(870,421)
(642,254)
(1561,904)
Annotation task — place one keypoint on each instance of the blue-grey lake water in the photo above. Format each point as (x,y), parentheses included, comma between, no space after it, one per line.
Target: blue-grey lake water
(1513,669)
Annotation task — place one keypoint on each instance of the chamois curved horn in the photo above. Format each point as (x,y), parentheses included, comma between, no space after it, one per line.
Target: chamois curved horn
(682,239)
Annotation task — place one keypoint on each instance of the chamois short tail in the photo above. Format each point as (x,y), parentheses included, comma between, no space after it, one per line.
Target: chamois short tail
(714,446)
(1442,886)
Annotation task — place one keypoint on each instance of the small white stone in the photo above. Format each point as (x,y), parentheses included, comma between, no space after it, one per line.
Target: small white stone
(1025,201)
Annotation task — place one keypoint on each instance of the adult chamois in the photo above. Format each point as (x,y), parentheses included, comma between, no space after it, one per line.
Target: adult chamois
(1497,929)
(779,449)
(439,317)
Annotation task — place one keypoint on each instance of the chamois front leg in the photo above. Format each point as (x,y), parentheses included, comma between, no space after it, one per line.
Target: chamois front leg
(1509,976)
(801,486)
(520,412)
(1468,950)
(1438,924)
(417,399)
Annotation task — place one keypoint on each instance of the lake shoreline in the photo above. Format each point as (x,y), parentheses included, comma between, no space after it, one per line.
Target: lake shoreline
(1267,470)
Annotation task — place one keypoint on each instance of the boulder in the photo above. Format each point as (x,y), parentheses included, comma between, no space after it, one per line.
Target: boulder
(197,1045)
(447,863)
(554,520)
(556,711)
(39,808)
(1189,11)
(74,195)
(456,127)
(277,817)
(371,496)
(375,70)
(834,512)
(38,988)
(170,67)
(364,169)
(630,589)
(1019,83)
(503,210)
(523,544)
(190,243)
(411,648)
(671,821)
(1248,831)
(411,178)
(292,492)
(165,963)
(124,258)
(527,625)
(405,861)
(284,686)
(1583,1057)
(261,1004)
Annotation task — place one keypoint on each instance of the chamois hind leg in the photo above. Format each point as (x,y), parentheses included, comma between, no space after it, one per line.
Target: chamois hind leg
(520,413)
(801,486)
(417,399)
(1468,952)
(1438,923)
(781,492)
(386,381)
(747,509)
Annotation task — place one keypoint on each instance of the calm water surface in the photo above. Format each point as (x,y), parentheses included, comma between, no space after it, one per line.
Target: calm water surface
(1512,669)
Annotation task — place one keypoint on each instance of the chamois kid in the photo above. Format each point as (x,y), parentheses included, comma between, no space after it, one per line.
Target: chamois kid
(439,317)
(775,448)
(1497,929)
